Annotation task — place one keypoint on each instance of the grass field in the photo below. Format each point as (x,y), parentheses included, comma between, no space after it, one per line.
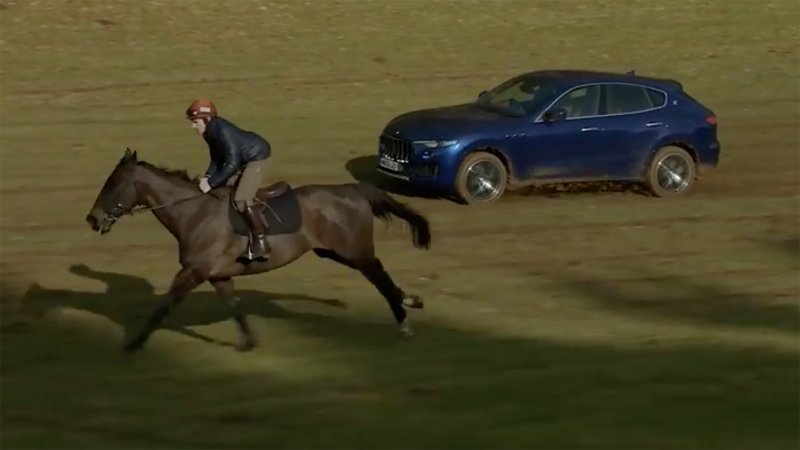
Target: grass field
(580,320)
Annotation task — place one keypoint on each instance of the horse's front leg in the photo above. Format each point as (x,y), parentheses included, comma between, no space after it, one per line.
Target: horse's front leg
(185,280)
(224,288)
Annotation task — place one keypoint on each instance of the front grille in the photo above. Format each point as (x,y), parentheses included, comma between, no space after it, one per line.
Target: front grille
(396,149)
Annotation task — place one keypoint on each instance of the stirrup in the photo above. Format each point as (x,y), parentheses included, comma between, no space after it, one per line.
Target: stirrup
(250,255)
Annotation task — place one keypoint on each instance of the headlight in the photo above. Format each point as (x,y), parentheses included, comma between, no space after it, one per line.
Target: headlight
(436,144)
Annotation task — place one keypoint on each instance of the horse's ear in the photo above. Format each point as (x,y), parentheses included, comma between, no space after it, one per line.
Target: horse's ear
(129,155)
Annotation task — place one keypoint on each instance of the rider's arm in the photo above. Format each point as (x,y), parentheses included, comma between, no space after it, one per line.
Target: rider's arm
(232,160)
(212,169)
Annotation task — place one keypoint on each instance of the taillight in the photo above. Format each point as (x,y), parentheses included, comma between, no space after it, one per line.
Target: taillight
(711,120)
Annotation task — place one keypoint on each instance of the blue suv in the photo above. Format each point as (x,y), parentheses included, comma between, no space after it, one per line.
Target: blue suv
(554,127)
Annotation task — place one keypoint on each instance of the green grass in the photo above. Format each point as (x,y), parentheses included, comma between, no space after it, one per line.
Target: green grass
(582,320)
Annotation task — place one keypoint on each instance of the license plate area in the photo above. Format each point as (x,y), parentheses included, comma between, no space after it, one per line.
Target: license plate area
(389,164)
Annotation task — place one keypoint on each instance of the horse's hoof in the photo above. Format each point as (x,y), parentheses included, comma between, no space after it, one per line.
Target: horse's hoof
(413,301)
(405,330)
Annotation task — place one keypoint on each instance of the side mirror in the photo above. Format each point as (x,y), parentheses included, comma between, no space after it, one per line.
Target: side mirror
(554,115)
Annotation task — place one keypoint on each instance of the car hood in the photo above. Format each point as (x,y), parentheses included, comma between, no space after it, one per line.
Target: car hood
(448,122)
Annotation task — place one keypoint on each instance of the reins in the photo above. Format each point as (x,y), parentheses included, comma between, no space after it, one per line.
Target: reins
(143,208)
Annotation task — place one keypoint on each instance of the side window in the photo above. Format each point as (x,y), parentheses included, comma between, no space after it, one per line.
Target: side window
(627,98)
(581,102)
(657,98)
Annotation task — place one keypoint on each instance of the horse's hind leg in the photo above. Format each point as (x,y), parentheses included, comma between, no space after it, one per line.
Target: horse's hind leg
(185,280)
(373,270)
(412,301)
(224,289)
(333,256)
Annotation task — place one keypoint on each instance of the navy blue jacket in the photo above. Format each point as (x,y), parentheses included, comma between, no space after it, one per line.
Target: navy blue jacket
(230,148)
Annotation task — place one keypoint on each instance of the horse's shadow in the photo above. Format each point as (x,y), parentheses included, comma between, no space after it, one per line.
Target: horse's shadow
(128,300)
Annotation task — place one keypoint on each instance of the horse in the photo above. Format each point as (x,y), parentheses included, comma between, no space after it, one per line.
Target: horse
(335,221)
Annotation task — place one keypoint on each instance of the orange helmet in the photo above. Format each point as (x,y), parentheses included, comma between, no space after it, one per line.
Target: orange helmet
(202,107)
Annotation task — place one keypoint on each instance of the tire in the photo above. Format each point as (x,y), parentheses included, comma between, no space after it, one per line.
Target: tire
(671,173)
(476,167)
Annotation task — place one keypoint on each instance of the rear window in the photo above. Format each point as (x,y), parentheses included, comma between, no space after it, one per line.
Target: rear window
(657,98)
(629,98)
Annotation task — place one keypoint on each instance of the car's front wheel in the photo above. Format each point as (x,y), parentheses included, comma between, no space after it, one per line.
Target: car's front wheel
(671,172)
(481,178)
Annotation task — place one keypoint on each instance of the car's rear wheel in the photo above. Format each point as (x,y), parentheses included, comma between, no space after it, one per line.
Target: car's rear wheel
(482,178)
(671,172)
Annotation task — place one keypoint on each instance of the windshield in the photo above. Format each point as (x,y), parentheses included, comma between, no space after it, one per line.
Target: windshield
(518,97)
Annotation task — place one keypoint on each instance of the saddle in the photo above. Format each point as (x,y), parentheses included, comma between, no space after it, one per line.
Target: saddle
(273,190)
(281,213)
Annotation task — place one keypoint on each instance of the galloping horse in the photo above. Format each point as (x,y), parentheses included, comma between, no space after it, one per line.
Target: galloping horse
(333,221)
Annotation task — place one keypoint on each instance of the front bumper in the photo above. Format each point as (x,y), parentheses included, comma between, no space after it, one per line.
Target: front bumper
(399,159)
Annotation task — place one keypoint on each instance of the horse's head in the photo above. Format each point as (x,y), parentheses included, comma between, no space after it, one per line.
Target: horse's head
(117,197)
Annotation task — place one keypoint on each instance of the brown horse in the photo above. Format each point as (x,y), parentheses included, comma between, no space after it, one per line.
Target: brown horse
(334,221)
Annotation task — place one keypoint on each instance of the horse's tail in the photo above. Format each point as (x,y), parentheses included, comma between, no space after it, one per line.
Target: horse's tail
(384,207)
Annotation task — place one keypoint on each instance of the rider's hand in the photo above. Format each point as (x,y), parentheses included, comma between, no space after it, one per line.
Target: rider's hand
(204,186)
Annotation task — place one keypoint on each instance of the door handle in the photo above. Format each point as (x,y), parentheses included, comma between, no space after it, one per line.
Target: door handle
(590,129)
(653,124)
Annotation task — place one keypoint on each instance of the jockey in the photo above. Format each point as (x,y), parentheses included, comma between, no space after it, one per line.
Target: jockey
(238,158)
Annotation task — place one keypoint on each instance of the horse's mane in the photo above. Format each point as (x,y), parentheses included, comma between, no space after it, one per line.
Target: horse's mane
(181,174)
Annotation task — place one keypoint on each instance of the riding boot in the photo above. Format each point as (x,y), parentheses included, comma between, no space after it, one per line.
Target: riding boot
(259,248)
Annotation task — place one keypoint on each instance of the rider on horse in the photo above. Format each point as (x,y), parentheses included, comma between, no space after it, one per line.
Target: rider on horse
(238,157)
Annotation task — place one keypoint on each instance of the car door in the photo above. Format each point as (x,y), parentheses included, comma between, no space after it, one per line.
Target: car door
(564,146)
(633,121)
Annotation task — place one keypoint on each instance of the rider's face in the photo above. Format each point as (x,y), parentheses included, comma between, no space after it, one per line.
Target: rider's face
(199,126)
